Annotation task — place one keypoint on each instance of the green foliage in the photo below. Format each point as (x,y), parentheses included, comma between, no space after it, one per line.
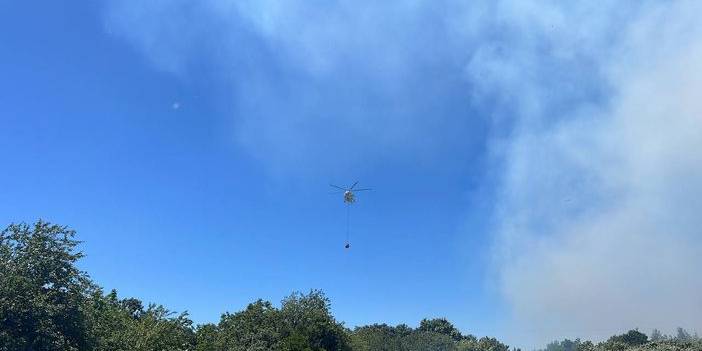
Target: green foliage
(207,336)
(570,345)
(428,341)
(42,292)
(304,322)
(656,335)
(683,335)
(440,326)
(160,329)
(255,328)
(435,334)
(631,338)
(483,344)
(381,337)
(309,315)
(48,304)
(296,342)
(125,325)
(669,345)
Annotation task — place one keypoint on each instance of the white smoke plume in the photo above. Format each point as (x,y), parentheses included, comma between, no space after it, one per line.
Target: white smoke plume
(599,210)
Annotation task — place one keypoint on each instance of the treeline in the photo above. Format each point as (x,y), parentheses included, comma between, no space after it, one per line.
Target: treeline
(47,303)
(633,340)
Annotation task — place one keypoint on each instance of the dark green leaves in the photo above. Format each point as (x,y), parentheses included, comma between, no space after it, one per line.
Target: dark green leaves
(43,293)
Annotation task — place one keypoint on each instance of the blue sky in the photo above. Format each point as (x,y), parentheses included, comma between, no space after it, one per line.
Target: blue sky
(191,145)
(172,210)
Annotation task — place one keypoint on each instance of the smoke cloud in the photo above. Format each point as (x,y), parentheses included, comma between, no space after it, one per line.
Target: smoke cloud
(598,225)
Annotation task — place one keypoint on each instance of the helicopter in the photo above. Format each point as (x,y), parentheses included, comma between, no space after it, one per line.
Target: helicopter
(349,196)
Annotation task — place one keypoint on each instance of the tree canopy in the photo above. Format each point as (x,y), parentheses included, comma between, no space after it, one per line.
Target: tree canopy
(47,303)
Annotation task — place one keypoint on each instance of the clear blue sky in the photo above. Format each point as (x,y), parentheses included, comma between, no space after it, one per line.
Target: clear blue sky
(172,208)
(514,148)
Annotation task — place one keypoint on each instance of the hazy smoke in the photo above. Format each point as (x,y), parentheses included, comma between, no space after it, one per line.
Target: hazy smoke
(599,213)
(318,85)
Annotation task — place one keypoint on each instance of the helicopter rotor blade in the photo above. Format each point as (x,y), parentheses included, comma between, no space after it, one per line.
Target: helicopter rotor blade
(338,187)
(364,189)
(354,184)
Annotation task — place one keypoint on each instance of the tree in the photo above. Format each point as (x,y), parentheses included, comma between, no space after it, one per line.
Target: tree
(295,342)
(115,325)
(403,330)
(381,337)
(159,329)
(304,322)
(586,346)
(133,306)
(428,341)
(309,315)
(483,344)
(632,338)
(566,345)
(682,335)
(110,322)
(47,303)
(441,326)
(207,337)
(656,335)
(43,292)
(255,328)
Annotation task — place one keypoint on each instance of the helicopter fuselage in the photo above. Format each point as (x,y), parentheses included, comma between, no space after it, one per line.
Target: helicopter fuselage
(349,197)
